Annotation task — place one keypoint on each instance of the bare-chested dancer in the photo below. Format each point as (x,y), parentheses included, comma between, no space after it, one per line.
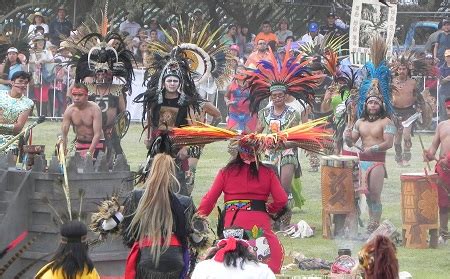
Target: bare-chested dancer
(442,139)
(377,132)
(404,100)
(86,118)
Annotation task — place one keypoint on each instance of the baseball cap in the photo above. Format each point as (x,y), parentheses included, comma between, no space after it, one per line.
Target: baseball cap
(235,47)
(447,52)
(331,14)
(12,49)
(313,27)
(446,21)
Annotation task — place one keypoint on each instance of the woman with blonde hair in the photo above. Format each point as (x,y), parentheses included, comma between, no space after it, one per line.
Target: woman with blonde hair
(156,222)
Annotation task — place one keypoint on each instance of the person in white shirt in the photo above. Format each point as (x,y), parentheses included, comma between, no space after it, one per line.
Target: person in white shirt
(130,26)
(313,36)
(232,258)
(37,19)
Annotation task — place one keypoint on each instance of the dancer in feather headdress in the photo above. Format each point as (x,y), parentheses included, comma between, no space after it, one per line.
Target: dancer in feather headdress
(375,129)
(407,101)
(277,80)
(97,63)
(325,54)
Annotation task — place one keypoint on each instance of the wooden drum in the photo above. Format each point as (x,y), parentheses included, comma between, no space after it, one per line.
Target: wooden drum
(419,210)
(338,195)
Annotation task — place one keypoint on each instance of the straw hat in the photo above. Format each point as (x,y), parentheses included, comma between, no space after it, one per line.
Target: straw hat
(63,45)
(38,37)
(32,16)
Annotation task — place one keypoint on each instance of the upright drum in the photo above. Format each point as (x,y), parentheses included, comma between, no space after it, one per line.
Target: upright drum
(338,195)
(419,210)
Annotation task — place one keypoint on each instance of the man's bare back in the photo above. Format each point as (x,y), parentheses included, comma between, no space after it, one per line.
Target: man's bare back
(82,120)
(405,95)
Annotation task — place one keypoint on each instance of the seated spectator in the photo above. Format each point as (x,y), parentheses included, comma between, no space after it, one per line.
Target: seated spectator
(230,37)
(141,52)
(154,25)
(283,31)
(332,27)
(130,26)
(153,36)
(245,41)
(232,258)
(313,36)
(266,34)
(9,66)
(261,53)
(72,258)
(37,19)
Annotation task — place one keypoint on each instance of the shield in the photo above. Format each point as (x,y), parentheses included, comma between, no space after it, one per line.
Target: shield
(426,104)
(122,123)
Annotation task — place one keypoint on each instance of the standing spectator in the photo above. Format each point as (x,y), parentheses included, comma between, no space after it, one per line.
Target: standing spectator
(140,37)
(39,56)
(130,26)
(444,89)
(230,37)
(331,27)
(283,32)
(245,41)
(59,26)
(57,95)
(140,53)
(429,45)
(261,53)
(37,19)
(313,36)
(154,25)
(11,65)
(442,42)
(266,34)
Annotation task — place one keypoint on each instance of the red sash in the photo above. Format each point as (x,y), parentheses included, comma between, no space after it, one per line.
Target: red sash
(130,267)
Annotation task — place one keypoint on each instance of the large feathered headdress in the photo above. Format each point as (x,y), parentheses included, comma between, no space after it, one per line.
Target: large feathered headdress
(174,64)
(409,58)
(207,56)
(91,52)
(377,83)
(291,76)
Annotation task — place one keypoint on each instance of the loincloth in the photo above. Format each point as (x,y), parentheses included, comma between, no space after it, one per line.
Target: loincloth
(83,146)
(403,114)
(366,164)
(443,171)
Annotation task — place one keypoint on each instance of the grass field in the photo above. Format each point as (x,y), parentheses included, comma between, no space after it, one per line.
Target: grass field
(426,263)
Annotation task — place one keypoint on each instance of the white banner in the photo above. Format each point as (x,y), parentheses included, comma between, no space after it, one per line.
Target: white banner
(136,109)
(370,17)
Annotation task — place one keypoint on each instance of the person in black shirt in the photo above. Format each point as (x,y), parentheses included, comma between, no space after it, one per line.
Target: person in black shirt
(331,27)
(59,26)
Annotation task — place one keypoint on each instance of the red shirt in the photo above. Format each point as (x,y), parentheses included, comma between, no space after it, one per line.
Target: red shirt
(238,184)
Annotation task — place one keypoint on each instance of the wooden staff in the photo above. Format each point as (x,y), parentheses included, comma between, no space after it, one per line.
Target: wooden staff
(423,149)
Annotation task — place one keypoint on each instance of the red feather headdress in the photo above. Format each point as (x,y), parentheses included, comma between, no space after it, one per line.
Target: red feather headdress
(292,76)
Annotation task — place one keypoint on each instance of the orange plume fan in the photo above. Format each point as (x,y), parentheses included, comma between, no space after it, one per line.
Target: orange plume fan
(200,134)
(104,26)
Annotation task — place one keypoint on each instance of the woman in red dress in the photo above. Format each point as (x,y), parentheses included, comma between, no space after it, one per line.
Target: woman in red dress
(246,189)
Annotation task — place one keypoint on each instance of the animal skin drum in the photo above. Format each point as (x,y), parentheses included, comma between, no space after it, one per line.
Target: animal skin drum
(419,210)
(338,196)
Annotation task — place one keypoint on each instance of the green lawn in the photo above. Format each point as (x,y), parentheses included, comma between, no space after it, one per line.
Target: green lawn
(427,263)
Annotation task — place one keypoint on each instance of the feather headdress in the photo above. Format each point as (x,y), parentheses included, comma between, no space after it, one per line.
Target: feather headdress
(92,52)
(291,76)
(416,65)
(377,83)
(207,56)
(311,136)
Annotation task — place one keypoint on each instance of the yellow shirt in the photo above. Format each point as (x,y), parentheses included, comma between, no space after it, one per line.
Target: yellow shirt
(49,274)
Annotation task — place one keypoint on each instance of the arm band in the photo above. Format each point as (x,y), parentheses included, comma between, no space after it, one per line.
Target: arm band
(6,128)
(112,222)
(390,129)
